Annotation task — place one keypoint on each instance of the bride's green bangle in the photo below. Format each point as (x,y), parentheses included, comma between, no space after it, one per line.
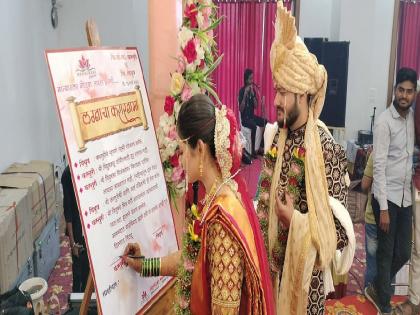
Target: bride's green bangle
(151,267)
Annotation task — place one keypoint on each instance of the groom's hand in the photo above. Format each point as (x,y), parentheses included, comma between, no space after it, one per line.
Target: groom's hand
(284,210)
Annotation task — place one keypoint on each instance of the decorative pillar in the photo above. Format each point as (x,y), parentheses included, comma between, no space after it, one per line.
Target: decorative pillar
(164,21)
(165,18)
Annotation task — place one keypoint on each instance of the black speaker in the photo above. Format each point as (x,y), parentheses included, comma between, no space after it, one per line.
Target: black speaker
(314,45)
(335,58)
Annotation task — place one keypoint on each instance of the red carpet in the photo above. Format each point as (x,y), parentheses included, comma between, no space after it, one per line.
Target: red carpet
(355,305)
(61,281)
(357,271)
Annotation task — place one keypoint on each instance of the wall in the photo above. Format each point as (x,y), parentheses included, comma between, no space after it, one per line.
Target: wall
(335,20)
(370,46)
(368,27)
(315,18)
(29,127)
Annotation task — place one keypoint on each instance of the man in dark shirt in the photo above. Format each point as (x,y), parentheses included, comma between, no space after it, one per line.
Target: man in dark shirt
(74,230)
(247,102)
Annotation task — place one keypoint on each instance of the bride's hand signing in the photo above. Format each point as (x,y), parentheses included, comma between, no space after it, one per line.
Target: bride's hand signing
(133,249)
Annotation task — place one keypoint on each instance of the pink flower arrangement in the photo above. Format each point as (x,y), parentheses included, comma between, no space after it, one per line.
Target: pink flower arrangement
(196,60)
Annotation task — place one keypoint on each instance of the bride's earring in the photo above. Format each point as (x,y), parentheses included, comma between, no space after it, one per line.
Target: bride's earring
(200,167)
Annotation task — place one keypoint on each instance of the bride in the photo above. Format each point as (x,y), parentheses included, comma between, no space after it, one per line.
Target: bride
(222,268)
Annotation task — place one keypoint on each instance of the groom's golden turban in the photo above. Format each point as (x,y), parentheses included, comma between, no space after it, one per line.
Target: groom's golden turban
(293,67)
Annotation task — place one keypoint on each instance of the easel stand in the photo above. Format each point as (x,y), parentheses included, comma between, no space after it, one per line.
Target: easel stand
(93,41)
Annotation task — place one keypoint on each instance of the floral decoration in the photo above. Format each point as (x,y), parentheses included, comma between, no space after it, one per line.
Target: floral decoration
(196,60)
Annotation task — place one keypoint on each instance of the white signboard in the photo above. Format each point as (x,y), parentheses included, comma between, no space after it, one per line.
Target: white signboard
(116,169)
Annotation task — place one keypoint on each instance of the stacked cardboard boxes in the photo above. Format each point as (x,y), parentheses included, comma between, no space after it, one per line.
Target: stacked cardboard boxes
(16,241)
(29,236)
(37,177)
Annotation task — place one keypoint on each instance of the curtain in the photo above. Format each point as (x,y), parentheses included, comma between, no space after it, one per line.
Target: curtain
(286,3)
(409,36)
(408,53)
(244,38)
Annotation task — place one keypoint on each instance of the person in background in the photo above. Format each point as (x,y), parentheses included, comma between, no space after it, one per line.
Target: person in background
(412,305)
(393,144)
(371,234)
(74,230)
(371,238)
(247,103)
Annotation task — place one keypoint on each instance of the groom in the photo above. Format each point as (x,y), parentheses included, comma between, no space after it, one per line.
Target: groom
(303,189)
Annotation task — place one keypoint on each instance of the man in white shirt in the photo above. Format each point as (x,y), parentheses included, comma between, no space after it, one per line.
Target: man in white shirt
(393,144)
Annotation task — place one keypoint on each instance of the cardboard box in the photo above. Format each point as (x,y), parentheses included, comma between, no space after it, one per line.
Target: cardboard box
(38,178)
(15,235)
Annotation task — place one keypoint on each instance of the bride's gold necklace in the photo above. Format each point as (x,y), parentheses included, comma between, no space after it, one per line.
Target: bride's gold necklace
(213,196)
(209,196)
(215,188)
